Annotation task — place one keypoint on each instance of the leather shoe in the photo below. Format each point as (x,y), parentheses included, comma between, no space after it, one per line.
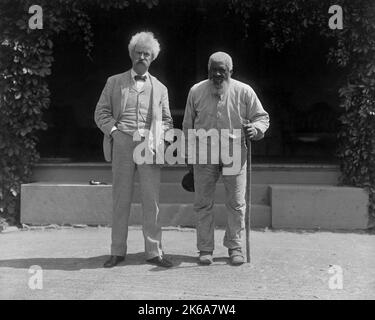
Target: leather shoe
(205,258)
(160,262)
(236,257)
(113,260)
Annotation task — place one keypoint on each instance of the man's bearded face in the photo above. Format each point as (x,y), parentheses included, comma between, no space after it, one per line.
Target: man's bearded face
(219,74)
(141,58)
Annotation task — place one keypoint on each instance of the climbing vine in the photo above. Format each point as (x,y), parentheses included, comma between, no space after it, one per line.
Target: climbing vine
(352,48)
(26,57)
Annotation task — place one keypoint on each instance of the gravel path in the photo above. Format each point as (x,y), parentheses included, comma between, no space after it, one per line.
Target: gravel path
(285,265)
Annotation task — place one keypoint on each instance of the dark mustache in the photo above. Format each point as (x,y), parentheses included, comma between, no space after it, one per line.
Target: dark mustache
(217,78)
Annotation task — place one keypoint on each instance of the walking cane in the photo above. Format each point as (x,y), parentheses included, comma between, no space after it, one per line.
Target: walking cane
(248,199)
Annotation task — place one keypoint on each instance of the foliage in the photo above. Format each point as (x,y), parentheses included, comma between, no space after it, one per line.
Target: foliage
(26,58)
(353,47)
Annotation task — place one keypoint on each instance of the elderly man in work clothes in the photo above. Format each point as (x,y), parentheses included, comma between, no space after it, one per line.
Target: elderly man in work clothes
(134,102)
(221,102)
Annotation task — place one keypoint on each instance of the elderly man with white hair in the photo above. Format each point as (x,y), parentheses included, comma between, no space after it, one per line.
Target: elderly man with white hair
(134,102)
(222,103)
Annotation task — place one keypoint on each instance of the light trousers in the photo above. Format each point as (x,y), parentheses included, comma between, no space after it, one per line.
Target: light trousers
(123,170)
(205,178)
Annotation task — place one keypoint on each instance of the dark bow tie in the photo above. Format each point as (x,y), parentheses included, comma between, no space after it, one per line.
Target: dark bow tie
(137,77)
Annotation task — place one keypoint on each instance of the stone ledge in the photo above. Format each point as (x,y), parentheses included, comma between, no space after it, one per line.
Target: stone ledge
(323,207)
(75,204)
(255,166)
(170,192)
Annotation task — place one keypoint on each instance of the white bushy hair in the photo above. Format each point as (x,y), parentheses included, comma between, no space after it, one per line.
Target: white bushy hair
(146,38)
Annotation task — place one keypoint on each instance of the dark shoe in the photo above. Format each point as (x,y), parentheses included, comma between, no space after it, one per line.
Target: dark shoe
(113,260)
(160,262)
(205,257)
(236,257)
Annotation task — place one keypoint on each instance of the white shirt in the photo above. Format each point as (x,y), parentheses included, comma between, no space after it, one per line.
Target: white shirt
(139,83)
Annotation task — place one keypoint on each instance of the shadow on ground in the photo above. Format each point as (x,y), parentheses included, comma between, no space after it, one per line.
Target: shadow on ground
(74,264)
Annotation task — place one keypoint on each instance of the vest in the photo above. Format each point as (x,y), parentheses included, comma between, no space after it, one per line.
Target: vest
(138,110)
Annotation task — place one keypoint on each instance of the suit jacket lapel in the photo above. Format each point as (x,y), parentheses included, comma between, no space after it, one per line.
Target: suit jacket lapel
(156,110)
(155,137)
(126,82)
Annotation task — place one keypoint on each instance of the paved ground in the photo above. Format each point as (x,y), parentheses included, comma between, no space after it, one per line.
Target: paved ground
(285,265)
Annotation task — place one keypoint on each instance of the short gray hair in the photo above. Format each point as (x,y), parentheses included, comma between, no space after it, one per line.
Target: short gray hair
(221,57)
(147,38)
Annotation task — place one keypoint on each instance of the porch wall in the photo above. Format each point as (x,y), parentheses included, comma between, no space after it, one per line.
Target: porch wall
(283,196)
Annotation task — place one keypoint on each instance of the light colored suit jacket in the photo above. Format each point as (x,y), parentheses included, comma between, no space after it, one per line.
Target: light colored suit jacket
(113,100)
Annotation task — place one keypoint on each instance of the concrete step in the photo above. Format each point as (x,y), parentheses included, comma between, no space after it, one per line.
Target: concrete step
(170,192)
(290,206)
(261,173)
(183,215)
(84,204)
(319,207)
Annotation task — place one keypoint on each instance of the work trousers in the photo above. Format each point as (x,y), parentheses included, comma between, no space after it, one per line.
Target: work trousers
(205,178)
